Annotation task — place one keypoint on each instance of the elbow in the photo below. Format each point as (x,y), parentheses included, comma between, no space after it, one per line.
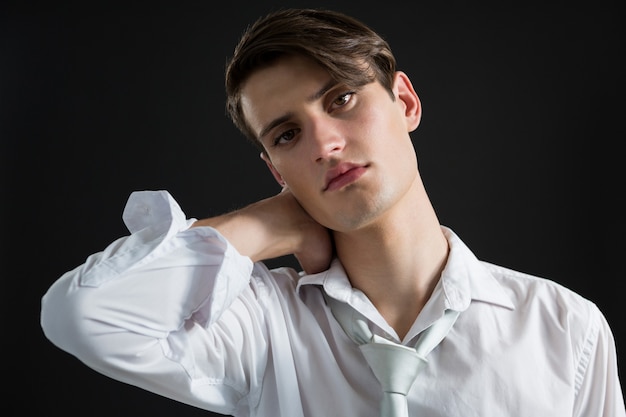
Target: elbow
(64,319)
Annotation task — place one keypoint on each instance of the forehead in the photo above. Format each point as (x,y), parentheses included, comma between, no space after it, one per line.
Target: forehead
(289,68)
(276,89)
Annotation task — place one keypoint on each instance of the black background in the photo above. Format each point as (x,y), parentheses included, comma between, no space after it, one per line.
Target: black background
(518,147)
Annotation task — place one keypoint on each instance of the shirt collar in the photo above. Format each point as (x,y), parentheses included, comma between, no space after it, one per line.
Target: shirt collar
(464,279)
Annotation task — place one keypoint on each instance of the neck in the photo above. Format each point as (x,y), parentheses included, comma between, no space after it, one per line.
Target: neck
(397,261)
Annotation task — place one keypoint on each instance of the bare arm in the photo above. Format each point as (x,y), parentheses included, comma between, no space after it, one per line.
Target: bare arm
(274,227)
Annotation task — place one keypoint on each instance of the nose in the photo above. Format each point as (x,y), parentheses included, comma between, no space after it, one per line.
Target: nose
(327,138)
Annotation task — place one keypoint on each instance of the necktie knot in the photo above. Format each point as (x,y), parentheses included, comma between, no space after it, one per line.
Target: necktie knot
(395,366)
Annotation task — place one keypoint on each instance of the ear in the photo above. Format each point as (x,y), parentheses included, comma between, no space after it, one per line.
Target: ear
(277,176)
(406,94)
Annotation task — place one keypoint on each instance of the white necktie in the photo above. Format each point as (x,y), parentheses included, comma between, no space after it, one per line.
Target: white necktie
(396,366)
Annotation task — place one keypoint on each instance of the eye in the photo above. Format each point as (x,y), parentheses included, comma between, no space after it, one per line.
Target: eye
(342,100)
(285,137)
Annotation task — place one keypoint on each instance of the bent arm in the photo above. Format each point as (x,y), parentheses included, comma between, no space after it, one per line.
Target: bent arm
(167,308)
(172,308)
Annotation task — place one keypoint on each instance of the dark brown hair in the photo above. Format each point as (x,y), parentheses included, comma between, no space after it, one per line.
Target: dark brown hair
(349,50)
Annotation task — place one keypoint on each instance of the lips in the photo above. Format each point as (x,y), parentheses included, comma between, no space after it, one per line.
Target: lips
(342,175)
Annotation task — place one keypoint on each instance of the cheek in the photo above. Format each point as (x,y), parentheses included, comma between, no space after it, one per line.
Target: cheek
(294,173)
(384,119)
(300,180)
(376,133)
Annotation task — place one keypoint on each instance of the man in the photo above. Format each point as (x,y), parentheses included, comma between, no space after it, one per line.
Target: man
(185,308)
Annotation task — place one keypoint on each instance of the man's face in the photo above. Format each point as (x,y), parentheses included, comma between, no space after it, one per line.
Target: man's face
(344,153)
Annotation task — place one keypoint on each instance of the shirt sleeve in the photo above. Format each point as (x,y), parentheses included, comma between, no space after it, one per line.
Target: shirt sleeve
(168,308)
(598,389)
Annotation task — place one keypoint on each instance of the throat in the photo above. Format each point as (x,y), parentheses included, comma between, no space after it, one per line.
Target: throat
(401,312)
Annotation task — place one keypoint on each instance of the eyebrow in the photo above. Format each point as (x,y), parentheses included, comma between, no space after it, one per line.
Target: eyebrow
(282,119)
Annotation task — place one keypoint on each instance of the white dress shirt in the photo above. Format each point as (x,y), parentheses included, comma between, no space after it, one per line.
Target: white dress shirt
(179,312)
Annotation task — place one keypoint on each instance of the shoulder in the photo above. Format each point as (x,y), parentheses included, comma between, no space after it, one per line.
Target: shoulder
(526,288)
(277,282)
(554,304)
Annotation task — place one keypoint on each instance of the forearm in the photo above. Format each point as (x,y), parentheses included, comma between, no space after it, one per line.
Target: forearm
(273,227)
(256,230)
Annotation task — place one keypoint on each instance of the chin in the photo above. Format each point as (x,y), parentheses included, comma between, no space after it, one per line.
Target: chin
(358,216)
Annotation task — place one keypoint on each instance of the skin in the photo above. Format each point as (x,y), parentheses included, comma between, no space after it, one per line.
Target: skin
(374,213)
